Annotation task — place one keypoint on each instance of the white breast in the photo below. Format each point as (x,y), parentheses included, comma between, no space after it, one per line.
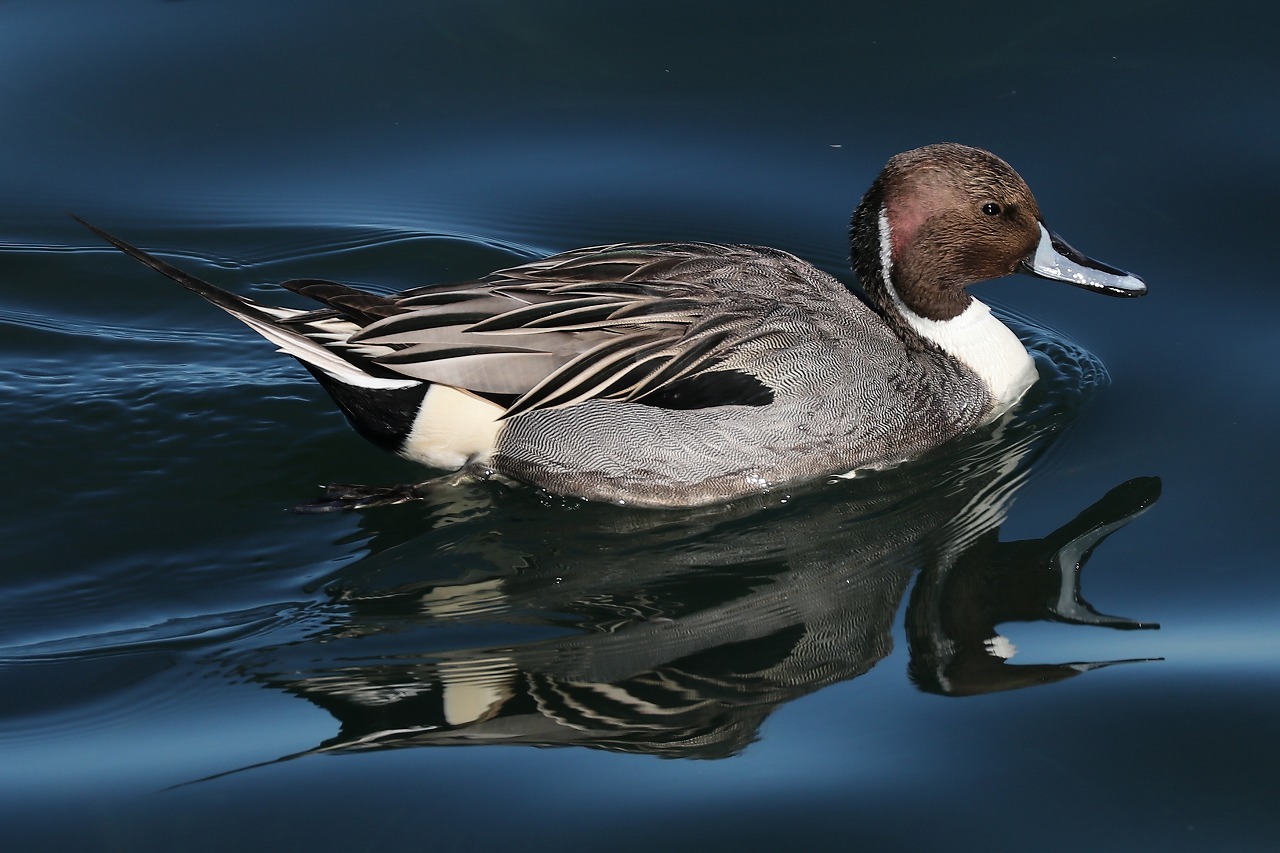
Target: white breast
(975,338)
(986,346)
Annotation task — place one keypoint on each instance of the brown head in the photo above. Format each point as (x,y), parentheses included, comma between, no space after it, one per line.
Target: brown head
(945,216)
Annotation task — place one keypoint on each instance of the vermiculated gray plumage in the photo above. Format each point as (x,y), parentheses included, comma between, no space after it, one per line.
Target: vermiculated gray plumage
(676,374)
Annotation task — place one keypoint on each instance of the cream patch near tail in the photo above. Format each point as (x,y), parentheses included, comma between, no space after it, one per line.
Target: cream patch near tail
(452,428)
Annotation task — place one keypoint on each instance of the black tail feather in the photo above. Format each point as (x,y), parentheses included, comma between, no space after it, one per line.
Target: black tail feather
(359,306)
(224,299)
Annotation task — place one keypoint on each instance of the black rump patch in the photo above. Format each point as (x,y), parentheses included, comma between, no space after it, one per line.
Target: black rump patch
(384,416)
(715,388)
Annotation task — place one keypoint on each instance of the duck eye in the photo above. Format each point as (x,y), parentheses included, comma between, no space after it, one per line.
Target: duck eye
(991,209)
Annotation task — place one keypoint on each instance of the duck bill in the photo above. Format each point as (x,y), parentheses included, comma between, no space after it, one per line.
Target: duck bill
(1055,260)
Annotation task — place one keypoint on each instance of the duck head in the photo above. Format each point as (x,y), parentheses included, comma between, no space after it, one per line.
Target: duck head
(945,216)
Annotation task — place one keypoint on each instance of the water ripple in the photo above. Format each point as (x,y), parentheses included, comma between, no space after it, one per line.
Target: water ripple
(183,633)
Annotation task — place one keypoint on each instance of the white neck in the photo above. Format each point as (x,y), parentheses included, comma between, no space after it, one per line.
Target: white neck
(975,338)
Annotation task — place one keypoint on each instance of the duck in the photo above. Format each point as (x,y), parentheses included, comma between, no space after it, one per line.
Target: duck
(680,374)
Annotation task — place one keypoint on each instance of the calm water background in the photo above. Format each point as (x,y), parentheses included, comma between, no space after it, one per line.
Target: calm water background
(162,620)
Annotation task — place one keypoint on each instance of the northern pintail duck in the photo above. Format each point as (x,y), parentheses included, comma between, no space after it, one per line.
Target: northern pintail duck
(678,374)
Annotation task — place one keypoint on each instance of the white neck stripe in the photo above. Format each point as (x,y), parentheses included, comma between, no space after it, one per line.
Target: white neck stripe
(975,337)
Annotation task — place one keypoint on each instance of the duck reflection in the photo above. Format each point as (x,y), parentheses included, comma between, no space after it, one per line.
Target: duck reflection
(677,634)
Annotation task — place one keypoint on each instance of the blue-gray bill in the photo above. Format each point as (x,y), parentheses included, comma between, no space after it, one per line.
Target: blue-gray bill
(1056,260)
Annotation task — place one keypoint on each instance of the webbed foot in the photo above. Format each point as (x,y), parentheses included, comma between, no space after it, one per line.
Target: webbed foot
(346,496)
(342,496)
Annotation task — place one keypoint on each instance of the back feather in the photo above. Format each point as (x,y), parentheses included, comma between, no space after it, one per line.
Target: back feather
(629,321)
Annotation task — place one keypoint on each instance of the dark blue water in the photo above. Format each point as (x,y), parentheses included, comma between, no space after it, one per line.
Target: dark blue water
(186,665)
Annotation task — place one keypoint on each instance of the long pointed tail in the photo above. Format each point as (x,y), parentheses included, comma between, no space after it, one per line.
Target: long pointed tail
(237,306)
(265,320)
